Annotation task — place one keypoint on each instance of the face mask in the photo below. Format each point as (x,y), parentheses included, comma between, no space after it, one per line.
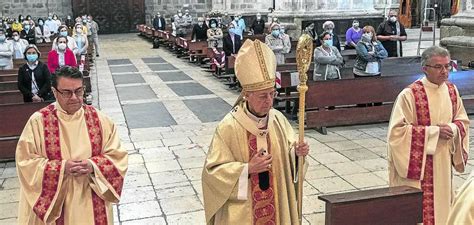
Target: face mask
(355,24)
(62,46)
(41,23)
(68,17)
(232,30)
(49,17)
(16,38)
(367,37)
(236,18)
(328,43)
(2,38)
(200,23)
(275,19)
(27,27)
(63,33)
(393,19)
(158,16)
(180,14)
(275,33)
(21,18)
(79,30)
(32,58)
(259,17)
(213,25)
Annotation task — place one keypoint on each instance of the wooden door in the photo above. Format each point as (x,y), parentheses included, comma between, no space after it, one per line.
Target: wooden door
(405,13)
(113,16)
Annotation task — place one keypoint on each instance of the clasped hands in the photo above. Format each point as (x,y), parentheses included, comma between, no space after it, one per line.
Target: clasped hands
(445,132)
(78,167)
(261,162)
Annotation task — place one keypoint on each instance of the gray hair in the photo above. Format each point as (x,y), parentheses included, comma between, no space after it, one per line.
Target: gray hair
(327,24)
(432,52)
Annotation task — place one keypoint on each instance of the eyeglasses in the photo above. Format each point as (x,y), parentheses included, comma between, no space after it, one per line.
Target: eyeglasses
(265,96)
(68,93)
(440,67)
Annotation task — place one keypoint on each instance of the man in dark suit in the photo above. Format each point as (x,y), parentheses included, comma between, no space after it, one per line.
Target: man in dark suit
(199,31)
(159,22)
(232,42)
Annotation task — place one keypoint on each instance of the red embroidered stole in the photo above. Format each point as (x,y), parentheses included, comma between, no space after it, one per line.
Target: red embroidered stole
(53,167)
(417,147)
(263,202)
(454,99)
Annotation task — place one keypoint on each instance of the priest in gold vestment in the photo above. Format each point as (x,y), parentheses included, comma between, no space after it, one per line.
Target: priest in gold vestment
(428,136)
(250,171)
(70,161)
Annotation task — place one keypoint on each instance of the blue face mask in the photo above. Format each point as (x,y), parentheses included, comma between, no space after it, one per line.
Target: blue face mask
(328,42)
(41,23)
(32,58)
(232,30)
(27,27)
(63,33)
(2,38)
(213,25)
(275,33)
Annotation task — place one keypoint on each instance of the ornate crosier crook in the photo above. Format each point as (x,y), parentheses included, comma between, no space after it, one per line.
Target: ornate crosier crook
(304,52)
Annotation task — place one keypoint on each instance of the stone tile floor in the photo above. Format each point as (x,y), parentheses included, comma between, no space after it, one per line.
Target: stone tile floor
(163,184)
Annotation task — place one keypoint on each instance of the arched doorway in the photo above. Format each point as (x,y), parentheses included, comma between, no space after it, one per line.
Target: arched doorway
(113,16)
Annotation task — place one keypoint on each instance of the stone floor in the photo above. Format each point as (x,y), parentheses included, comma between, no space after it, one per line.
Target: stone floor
(166,111)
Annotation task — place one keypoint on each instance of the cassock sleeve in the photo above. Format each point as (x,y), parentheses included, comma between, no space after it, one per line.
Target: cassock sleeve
(110,166)
(460,141)
(40,178)
(408,144)
(221,173)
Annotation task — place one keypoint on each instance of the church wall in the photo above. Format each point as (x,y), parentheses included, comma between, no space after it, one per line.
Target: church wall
(35,8)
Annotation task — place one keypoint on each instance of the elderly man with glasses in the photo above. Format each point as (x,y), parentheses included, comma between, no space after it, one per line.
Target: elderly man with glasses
(428,135)
(69,158)
(249,173)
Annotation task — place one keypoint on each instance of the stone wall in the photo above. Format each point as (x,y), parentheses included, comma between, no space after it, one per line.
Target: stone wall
(169,7)
(35,8)
(457,33)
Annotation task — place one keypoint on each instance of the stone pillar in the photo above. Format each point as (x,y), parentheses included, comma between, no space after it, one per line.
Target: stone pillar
(457,33)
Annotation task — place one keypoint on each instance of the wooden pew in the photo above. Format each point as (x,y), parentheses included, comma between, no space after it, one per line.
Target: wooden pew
(8,97)
(13,120)
(197,50)
(394,205)
(345,94)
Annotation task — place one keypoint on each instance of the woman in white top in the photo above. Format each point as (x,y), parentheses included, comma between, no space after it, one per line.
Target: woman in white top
(6,52)
(71,42)
(81,41)
(42,32)
(19,45)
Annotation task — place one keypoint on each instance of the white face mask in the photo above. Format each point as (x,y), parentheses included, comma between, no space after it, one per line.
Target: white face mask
(393,19)
(355,24)
(79,30)
(367,37)
(16,38)
(62,46)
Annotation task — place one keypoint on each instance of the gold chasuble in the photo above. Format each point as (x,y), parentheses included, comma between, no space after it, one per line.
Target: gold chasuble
(417,156)
(229,197)
(47,194)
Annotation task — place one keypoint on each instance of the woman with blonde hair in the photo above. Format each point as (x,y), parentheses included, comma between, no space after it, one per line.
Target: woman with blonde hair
(370,53)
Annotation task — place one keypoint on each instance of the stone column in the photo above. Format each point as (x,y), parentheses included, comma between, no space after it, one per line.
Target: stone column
(457,33)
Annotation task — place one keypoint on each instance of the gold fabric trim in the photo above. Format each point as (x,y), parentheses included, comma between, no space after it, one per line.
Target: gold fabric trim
(259,86)
(261,60)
